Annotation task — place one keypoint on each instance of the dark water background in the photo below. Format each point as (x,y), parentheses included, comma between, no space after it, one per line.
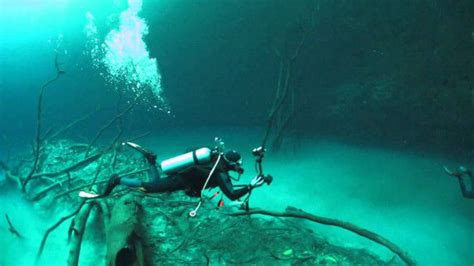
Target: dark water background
(218,68)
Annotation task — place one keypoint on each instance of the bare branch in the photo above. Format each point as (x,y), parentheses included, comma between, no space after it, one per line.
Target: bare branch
(300,214)
(106,126)
(11,228)
(56,225)
(79,165)
(38,140)
(139,136)
(70,125)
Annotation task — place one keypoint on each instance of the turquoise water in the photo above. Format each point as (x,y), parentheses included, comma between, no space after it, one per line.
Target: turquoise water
(378,99)
(407,199)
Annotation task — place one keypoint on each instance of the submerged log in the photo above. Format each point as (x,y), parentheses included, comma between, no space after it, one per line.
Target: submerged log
(77,231)
(298,213)
(124,246)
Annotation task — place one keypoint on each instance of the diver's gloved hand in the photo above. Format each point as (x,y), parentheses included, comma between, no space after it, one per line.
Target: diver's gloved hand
(257,181)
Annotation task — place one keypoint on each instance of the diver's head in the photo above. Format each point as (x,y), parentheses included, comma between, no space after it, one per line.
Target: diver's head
(234,161)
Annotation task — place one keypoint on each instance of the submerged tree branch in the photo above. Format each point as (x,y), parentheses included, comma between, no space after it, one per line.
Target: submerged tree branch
(77,232)
(139,136)
(106,126)
(282,109)
(74,167)
(70,125)
(56,225)
(38,139)
(300,214)
(11,228)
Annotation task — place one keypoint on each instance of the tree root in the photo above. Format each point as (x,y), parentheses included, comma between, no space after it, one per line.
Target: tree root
(296,213)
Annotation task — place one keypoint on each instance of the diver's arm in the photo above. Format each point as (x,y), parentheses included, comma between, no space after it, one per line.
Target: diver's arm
(223,180)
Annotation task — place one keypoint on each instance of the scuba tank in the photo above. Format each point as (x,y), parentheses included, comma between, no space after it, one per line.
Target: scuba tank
(180,162)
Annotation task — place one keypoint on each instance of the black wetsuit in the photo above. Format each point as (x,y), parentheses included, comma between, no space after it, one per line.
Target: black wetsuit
(192,180)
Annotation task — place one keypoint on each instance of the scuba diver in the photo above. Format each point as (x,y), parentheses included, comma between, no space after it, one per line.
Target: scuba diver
(192,172)
(462,171)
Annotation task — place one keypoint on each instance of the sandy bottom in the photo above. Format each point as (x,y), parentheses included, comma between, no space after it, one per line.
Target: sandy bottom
(404,197)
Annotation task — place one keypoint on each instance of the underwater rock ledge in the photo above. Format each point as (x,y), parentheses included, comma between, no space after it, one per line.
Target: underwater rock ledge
(213,237)
(156,229)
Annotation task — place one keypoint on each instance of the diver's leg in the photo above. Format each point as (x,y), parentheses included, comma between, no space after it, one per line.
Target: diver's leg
(460,175)
(466,193)
(131,182)
(463,186)
(153,172)
(167,184)
(114,181)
